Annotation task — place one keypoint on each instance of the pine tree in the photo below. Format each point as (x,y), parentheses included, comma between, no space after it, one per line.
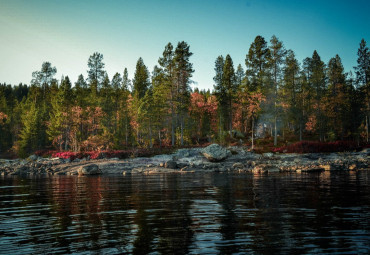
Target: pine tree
(318,83)
(220,91)
(80,91)
(291,92)
(183,70)
(124,121)
(168,84)
(338,99)
(363,79)
(230,87)
(258,65)
(30,136)
(60,117)
(95,76)
(44,77)
(141,84)
(277,54)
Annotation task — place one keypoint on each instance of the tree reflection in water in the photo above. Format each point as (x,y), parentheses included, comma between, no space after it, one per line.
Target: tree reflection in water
(200,213)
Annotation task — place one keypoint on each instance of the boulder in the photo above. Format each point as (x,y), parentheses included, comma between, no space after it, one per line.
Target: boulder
(32,158)
(268,154)
(238,165)
(215,153)
(91,169)
(170,164)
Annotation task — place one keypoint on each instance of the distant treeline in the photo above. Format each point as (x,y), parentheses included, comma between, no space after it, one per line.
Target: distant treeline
(282,97)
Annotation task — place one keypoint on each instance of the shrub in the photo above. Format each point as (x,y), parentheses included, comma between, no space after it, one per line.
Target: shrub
(317,147)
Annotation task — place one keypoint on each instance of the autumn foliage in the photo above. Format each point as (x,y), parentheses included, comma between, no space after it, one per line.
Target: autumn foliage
(276,96)
(318,147)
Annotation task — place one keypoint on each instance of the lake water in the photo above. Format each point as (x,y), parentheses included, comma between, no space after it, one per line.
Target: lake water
(214,213)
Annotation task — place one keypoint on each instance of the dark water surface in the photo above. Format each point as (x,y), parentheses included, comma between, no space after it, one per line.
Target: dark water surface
(186,214)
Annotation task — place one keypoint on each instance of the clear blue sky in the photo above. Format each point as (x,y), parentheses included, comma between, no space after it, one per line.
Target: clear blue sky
(67,32)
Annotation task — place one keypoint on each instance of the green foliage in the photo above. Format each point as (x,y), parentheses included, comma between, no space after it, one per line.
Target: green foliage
(308,101)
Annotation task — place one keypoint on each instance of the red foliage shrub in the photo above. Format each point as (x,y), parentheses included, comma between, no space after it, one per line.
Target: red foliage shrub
(318,147)
(121,154)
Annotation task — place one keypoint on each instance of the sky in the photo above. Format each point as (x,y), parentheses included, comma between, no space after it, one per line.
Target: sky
(66,32)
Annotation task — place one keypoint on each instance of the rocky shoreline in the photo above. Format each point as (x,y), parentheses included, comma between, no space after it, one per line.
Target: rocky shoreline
(213,158)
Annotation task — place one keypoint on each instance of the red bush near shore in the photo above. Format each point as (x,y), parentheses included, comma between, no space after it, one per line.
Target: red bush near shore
(121,154)
(317,147)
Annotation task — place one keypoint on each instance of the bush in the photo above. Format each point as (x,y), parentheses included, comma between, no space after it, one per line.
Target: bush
(317,147)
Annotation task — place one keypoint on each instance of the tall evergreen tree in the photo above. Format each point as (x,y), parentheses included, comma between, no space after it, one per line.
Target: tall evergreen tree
(318,83)
(363,78)
(95,75)
(141,79)
(183,70)
(167,64)
(44,77)
(126,82)
(257,64)
(230,87)
(338,99)
(80,91)
(220,91)
(60,117)
(141,84)
(291,92)
(277,54)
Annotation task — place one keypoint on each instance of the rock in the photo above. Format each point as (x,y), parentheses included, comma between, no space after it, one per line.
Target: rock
(21,170)
(215,153)
(263,168)
(170,164)
(91,169)
(32,158)
(238,165)
(268,154)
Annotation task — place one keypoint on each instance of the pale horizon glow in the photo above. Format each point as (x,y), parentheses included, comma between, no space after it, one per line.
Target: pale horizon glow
(66,33)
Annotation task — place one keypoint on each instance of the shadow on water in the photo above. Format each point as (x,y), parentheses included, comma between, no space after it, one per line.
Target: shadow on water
(198,214)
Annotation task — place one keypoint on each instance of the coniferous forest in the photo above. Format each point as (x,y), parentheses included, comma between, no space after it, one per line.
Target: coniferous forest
(271,96)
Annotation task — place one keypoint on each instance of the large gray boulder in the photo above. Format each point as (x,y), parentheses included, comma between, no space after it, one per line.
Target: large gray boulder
(215,153)
(91,169)
(32,157)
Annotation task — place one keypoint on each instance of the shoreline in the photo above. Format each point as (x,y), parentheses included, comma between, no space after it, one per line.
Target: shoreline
(231,159)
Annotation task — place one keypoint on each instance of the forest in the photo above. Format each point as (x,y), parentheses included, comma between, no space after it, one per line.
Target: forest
(271,96)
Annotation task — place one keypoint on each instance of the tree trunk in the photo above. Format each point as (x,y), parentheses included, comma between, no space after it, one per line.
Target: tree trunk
(252,133)
(126,132)
(275,128)
(159,137)
(182,130)
(172,127)
(150,135)
(367,129)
